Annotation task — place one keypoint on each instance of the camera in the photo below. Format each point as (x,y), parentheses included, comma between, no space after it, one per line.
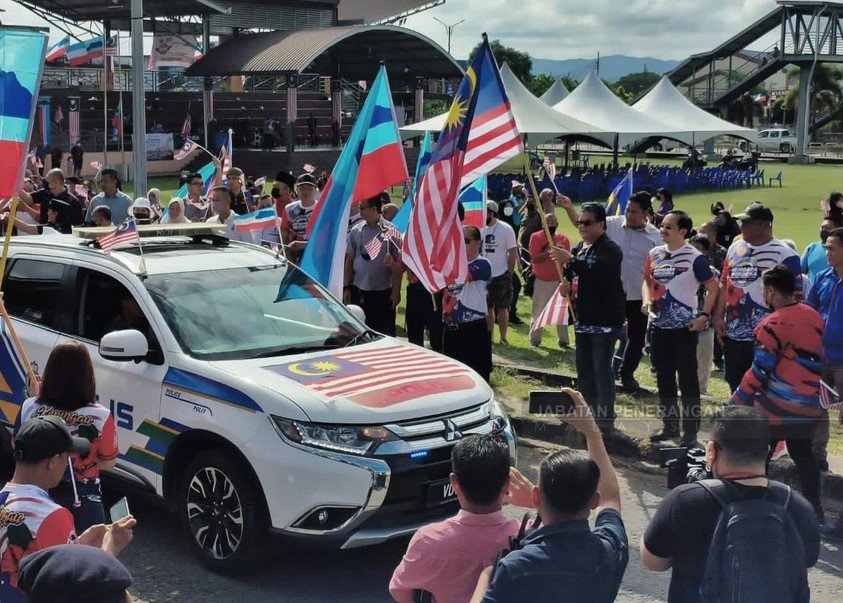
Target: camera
(684,466)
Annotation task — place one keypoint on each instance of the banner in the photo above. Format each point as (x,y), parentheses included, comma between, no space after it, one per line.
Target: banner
(159,147)
(44,123)
(172,51)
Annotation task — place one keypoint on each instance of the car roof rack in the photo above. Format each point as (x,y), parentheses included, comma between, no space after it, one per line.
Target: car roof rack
(199,232)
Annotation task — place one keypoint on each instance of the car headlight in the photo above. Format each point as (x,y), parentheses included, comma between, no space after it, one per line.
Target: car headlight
(498,415)
(349,439)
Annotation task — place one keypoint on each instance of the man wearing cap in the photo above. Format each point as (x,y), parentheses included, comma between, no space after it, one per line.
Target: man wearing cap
(55,189)
(501,249)
(740,305)
(69,574)
(282,191)
(296,216)
(29,519)
(57,220)
(111,196)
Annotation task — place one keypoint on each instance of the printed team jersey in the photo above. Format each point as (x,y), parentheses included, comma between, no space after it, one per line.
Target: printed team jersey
(742,270)
(29,522)
(467,302)
(673,278)
(94,423)
(295,218)
(783,382)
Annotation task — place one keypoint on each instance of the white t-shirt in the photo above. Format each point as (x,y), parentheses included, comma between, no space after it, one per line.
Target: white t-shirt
(497,241)
(231,232)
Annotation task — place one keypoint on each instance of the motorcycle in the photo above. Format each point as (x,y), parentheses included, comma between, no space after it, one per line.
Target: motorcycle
(694,160)
(733,161)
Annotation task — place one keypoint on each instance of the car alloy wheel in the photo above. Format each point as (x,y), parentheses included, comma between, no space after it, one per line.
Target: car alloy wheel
(214,512)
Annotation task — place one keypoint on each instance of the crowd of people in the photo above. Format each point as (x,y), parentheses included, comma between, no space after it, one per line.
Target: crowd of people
(725,296)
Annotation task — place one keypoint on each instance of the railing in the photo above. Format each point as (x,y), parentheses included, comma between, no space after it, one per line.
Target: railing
(710,89)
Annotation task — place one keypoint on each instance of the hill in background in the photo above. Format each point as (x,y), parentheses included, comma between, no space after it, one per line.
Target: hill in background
(612,67)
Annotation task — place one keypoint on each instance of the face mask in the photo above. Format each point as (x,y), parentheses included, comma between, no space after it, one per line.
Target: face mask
(824,235)
(276,193)
(507,211)
(721,221)
(552,230)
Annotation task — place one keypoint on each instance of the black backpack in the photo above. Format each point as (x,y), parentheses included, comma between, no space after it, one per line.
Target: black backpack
(756,553)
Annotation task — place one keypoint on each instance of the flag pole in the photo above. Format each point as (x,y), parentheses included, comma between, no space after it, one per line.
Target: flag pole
(34,385)
(544,225)
(142,266)
(13,208)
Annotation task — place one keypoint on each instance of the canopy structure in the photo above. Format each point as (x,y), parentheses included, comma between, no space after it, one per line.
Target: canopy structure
(666,103)
(557,92)
(594,103)
(534,118)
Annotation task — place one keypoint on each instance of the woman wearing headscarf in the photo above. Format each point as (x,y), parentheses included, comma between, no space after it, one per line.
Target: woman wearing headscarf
(175,212)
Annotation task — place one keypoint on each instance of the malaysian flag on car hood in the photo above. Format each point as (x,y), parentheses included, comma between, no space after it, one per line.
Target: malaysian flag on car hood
(386,380)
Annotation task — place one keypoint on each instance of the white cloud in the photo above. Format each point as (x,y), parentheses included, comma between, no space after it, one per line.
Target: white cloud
(570,29)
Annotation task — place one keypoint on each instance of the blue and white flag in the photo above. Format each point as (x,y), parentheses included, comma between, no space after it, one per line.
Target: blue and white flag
(619,197)
(402,218)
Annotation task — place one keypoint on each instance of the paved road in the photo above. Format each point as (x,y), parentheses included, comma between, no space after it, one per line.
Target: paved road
(164,569)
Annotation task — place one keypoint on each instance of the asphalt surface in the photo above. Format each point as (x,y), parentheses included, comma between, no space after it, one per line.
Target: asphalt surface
(165,570)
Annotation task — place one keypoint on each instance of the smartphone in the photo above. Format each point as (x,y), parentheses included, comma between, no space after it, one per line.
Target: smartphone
(671,454)
(119,510)
(552,402)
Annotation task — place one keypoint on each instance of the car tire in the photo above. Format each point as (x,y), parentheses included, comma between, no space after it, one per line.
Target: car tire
(223,513)
(785,148)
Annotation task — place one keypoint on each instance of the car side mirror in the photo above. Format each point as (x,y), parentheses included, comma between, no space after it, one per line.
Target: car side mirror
(124,345)
(357,312)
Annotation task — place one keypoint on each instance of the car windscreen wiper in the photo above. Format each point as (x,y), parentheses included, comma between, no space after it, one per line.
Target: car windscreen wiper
(291,351)
(369,332)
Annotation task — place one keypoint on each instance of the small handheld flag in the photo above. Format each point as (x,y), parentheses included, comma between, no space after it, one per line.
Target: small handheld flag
(257,220)
(127,232)
(473,199)
(186,149)
(619,197)
(554,313)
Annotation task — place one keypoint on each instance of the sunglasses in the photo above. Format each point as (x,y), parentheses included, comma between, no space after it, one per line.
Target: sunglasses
(467,241)
(584,222)
(196,184)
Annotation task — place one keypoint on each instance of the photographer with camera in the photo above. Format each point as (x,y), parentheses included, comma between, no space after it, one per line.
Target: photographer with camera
(700,527)
(445,559)
(564,559)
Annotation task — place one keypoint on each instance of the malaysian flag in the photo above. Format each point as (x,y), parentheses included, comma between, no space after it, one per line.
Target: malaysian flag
(373,247)
(73,118)
(388,234)
(554,313)
(208,99)
(292,99)
(479,134)
(59,115)
(127,232)
(549,166)
(186,149)
(369,378)
(309,168)
(96,165)
(187,126)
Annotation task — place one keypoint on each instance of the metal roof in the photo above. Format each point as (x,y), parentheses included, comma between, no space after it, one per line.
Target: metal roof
(357,49)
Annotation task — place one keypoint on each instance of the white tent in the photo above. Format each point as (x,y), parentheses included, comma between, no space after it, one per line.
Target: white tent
(554,94)
(594,103)
(534,118)
(666,103)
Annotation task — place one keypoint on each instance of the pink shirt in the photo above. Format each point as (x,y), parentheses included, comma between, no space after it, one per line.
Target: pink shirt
(446,558)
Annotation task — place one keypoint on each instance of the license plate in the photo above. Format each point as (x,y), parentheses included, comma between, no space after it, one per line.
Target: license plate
(440,492)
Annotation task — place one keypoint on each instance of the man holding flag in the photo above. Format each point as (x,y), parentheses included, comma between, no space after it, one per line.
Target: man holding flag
(373,267)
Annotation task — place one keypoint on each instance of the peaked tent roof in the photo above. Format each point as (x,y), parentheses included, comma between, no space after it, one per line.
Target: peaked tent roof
(554,94)
(534,118)
(593,102)
(666,103)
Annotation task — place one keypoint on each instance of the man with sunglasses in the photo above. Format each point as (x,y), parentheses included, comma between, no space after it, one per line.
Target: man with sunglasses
(595,263)
(740,305)
(679,534)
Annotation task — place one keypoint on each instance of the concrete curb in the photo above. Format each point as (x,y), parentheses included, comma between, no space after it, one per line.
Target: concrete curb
(642,453)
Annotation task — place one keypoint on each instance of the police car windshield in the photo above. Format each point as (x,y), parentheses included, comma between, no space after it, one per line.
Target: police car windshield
(251,312)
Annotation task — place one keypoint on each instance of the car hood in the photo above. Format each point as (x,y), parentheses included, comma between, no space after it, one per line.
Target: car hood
(379,382)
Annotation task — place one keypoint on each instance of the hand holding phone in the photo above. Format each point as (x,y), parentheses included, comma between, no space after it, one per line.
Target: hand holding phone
(119,510)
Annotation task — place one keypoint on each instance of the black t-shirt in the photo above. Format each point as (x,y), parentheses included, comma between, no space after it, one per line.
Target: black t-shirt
(239,206)
(74,215)
(683,527)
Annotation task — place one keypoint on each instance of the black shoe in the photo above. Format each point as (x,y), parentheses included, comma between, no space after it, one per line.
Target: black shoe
(513,319)
(629,384)
(689,440)
(665,433)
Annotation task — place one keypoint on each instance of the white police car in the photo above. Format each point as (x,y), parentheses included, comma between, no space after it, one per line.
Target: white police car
(244,394)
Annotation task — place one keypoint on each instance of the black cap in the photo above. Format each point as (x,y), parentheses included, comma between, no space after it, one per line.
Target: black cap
(756,211)
(73,572)
(41,437)
(287,178)
(306,179)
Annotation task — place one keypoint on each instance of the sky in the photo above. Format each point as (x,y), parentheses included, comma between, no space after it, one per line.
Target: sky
(565,29)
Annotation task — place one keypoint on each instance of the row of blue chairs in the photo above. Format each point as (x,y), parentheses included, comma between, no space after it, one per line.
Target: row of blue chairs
(597,183)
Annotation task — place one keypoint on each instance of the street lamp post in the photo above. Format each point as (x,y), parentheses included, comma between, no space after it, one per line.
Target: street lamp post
(138,100)
(450,30)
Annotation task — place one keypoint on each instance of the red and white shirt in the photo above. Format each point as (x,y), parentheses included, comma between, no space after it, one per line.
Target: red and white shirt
(93,422)
(29,521)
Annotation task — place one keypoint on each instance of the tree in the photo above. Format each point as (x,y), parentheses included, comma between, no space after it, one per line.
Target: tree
(826,94)
(519,62)
(432,108)
(637,83)
(540,83)
(620,92)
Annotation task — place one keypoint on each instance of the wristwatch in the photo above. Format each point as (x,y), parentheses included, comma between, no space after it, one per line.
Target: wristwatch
(706,314)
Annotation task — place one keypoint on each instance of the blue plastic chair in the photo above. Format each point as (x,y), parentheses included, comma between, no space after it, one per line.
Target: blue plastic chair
(778,177)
